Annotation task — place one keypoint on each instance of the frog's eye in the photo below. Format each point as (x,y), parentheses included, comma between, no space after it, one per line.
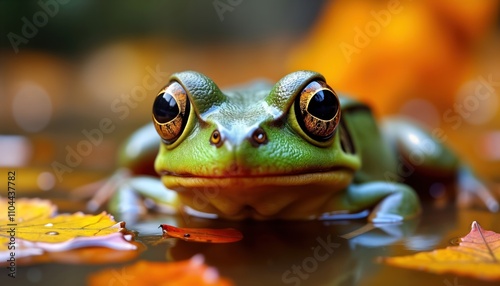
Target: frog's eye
(171,112)
(317,110)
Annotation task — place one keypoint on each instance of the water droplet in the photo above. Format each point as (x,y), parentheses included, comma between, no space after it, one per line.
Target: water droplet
(49,224)
(52,233)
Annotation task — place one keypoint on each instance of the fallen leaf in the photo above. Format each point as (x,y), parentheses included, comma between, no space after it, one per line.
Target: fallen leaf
(85,255)
(26,209)
(188,272)
(210,235)
(477,256)
(34,229)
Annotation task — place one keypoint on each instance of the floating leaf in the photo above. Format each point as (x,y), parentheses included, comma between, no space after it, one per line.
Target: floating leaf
(224,235)
(85,255)
(478,256)
(33,230)
(25,209)
(187,272)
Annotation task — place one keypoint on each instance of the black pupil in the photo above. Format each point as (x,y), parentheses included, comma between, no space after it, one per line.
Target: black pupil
(323,105)
(165,108)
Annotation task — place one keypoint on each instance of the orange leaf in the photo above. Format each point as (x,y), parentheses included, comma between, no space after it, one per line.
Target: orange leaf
(203,234)
(188,272)
(478,256)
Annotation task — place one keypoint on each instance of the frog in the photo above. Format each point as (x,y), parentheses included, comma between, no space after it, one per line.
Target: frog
(295,150)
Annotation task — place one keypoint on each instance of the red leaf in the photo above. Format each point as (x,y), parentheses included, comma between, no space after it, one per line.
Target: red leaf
(209,235)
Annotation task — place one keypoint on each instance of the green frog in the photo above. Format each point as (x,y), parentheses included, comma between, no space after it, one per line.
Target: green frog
(293,150)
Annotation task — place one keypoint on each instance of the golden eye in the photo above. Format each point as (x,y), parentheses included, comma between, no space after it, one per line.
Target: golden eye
(171,112)
(215,138)
(317,110)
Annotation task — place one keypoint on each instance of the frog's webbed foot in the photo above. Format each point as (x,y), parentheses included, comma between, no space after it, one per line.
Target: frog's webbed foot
(126,194)
(99,192)
(393,208)
(470,186)
(137,195)
(396,202)
(106,188)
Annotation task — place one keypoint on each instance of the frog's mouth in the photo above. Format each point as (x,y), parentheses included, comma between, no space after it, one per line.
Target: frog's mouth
(287,196)
(318,177)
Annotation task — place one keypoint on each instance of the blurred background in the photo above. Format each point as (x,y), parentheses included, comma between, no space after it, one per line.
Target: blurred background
(77,77)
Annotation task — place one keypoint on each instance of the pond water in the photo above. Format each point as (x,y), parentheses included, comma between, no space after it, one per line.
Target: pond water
(294,253)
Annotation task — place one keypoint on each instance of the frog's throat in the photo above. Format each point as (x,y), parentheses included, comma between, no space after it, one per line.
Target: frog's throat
(299,196)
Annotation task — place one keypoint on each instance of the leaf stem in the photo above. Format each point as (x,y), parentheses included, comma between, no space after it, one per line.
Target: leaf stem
(478,226)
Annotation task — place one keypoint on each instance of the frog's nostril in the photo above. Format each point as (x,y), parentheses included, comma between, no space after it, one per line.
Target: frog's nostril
(259,137)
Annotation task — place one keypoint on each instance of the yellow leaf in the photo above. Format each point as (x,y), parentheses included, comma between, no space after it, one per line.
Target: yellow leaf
(34,230)
(25,209)
(63,227)
(477,255)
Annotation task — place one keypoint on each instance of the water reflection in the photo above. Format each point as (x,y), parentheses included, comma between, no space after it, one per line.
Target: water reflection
(309,253)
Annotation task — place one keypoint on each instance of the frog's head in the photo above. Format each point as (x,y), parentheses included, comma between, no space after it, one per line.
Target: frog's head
(275,152)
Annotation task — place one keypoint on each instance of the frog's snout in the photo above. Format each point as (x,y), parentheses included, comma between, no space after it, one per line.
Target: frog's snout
(256,137)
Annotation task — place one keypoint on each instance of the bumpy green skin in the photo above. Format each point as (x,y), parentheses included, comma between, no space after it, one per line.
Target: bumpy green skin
(236,115)
(290,176)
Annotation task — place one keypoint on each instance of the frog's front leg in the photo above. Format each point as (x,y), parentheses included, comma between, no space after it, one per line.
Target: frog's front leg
(393,201)
(134,196)
(133,188)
